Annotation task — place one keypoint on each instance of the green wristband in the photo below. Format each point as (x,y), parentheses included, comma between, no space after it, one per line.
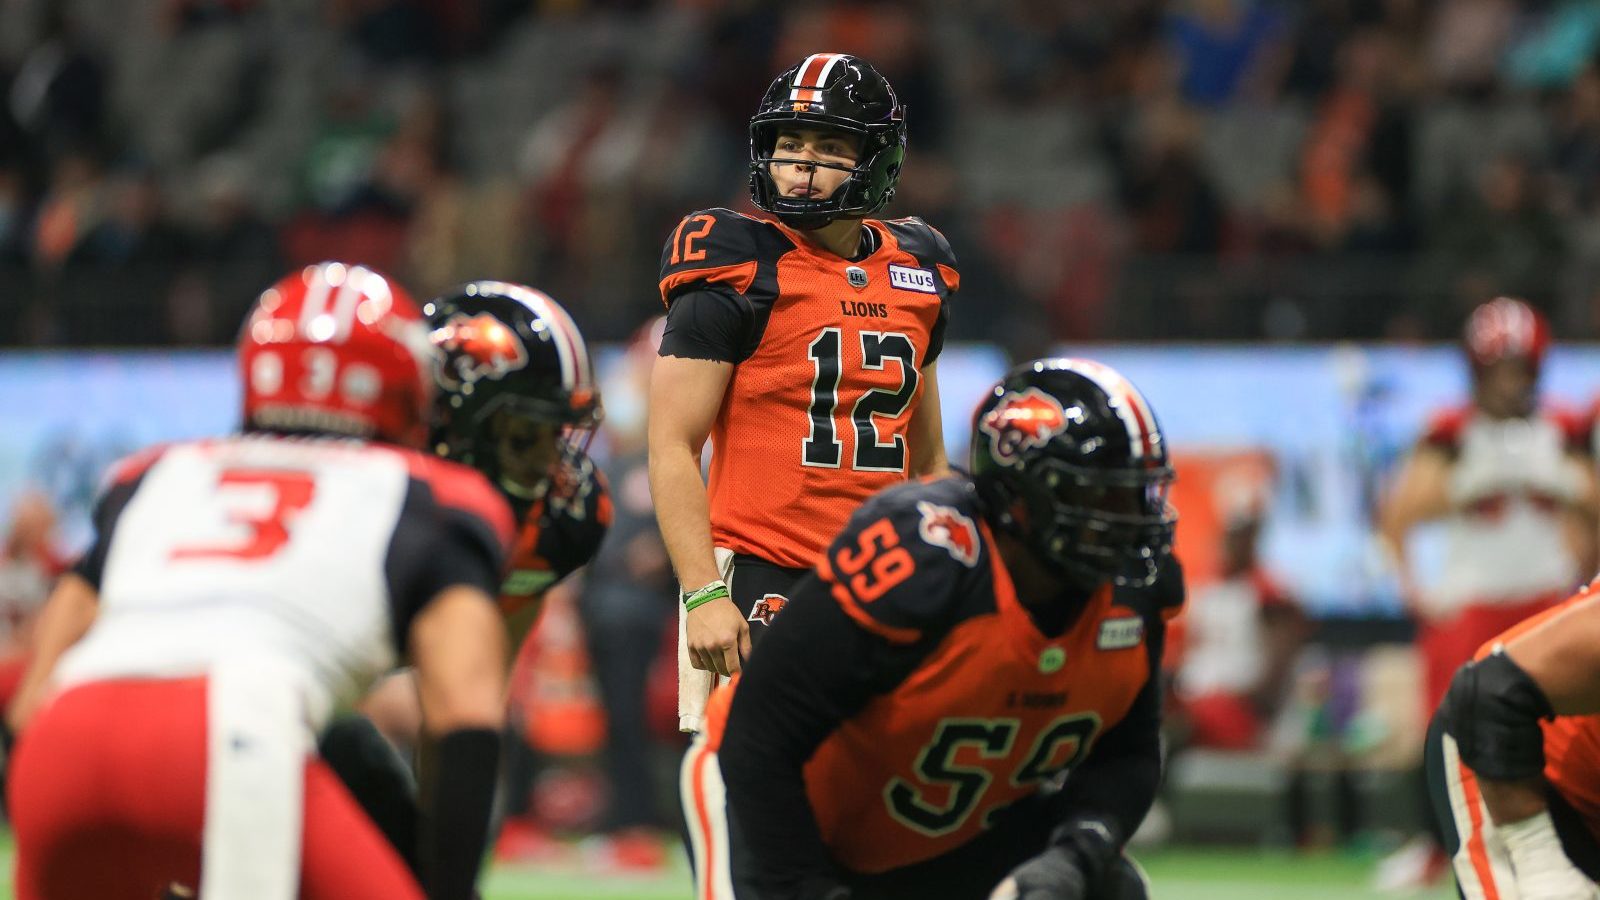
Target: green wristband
(716,590)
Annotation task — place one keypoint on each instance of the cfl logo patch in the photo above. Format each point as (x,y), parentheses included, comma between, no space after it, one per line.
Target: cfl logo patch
(767,608)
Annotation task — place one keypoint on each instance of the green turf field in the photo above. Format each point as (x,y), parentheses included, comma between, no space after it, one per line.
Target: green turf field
(1208,874)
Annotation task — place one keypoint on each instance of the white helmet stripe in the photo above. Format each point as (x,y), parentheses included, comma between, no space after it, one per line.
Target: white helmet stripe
(576,371)
(813,75)
(571,341)
(1125,399)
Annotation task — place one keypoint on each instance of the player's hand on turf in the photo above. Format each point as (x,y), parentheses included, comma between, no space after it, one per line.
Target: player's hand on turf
(1052,875)
(719,637)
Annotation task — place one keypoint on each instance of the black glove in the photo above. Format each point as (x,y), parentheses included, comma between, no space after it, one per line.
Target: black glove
(1055,874)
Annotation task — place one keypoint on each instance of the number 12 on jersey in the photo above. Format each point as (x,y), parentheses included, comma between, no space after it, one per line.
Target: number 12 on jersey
(822,446)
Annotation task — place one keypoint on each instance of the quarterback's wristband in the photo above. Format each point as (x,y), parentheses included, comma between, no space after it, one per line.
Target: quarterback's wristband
(716,590)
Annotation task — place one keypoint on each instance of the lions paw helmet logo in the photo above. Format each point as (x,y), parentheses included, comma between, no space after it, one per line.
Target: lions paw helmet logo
(943,526)
(1021,421)
(478,347)
(767,608)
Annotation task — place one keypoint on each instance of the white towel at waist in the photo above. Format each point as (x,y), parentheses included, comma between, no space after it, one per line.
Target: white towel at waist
(695,685)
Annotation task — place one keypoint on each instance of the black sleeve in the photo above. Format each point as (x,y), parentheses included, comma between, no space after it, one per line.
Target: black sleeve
(1116,784)
(455,830)
(816,668)
(936,337)
(435,547)
(709,324)
(932,251)
(91,566)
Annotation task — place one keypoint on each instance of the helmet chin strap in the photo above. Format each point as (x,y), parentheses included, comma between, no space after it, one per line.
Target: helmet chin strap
(522,491)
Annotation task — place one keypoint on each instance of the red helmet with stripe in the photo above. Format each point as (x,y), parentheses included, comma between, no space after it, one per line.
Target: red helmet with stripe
(512,361)
(337,349)
(1507,328)
(1069,458)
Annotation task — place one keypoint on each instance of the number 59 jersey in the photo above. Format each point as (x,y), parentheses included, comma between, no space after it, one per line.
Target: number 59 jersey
(828,356)
(961,705)
(312,555)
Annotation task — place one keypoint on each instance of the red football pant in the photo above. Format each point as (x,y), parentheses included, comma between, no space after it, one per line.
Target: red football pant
(1448,644)
(108,793)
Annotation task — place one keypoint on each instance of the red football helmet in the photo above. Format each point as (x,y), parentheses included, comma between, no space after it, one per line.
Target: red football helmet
(1506,327)
(337,349)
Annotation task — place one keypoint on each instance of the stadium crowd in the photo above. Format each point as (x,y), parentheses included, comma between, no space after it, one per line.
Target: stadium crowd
(1307,170)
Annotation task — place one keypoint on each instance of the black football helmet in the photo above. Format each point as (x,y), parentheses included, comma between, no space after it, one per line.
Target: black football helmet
(514,370)
(1069,459)
(843,93)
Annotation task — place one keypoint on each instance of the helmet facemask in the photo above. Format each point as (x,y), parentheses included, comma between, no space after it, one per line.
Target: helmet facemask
(868,190)
(833,92)
(522,444)
(1088,524)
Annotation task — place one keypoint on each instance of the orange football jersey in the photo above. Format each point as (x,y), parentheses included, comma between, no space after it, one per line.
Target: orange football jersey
(558,533)
(992,710)
(827,376)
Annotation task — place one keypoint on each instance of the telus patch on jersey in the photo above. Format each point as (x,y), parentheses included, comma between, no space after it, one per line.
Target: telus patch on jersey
(908,279)
(1120,633)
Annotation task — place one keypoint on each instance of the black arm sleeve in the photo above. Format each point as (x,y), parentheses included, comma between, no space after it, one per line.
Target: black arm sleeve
(936,337)
(1115,786)
(456,829)
(708,324)
(815,669)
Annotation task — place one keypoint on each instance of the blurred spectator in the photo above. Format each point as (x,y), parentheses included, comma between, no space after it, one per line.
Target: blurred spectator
(1137,169)
(1227,48)
(29,564)
(13,215)
(1577,142)
(390,32)
(236,249)
(628,619)
(58,95)
(1502,239)
(1168,194)
(1466,41)
(1241,637)
(1555,46)
(1355,165)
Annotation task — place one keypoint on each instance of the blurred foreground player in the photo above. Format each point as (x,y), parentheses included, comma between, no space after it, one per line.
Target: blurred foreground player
(517,401)
(1514,760)
(964,701)
(241,590)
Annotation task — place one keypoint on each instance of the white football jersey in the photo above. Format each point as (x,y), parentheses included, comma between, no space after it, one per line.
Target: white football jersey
(305,554)
(1510,546)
